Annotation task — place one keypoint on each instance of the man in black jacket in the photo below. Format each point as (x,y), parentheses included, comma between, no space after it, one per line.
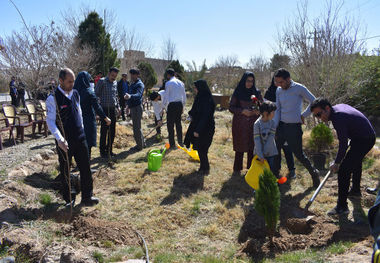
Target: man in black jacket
(122,87)
(64,119)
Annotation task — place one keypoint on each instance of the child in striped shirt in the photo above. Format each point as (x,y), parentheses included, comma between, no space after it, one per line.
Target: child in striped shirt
(264,131)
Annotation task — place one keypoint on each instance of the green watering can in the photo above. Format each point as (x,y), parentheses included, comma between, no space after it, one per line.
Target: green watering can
(155,159)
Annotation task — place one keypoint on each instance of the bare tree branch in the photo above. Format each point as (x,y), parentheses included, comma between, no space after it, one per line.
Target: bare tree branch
(168,49)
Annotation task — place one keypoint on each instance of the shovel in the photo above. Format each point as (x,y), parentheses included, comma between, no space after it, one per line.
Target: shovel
(317,191)
(153,129)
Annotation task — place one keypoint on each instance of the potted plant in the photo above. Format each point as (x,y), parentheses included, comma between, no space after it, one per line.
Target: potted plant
(321,138)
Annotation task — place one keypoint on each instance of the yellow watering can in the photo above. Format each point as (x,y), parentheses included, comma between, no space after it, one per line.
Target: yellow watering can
(257,168)
(193,153)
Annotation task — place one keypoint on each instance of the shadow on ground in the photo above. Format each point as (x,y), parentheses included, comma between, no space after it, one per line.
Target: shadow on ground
(234,191)
(184,186)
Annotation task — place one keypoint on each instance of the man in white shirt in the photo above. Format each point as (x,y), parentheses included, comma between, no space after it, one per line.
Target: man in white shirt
(159,106)
(64,119)
(176,99)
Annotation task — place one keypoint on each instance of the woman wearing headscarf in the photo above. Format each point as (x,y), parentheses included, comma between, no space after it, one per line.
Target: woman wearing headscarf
(244,116)
(89,105)
(202,127)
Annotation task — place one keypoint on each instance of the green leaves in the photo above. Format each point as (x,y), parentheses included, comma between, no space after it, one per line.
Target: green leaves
(321,137)
(178,68)
(267,201)
(148,75)
(93,33)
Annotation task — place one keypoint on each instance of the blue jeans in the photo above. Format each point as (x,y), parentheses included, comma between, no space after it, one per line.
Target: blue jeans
(271,162)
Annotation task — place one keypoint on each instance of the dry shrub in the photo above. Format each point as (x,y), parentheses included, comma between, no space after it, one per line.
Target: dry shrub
(375,168)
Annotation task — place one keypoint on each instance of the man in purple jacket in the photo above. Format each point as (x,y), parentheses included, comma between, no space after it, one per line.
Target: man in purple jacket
(350,124)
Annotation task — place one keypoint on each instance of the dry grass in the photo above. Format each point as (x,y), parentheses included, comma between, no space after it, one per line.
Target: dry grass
(185,217)
(188,218)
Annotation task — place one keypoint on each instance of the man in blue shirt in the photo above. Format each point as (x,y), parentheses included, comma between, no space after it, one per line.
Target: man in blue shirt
(134,97)
(350,124)
(289,118)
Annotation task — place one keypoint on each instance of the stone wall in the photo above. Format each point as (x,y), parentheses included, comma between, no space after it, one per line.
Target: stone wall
(133,57)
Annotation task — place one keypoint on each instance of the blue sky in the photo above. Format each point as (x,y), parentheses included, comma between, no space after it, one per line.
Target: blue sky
(201,29)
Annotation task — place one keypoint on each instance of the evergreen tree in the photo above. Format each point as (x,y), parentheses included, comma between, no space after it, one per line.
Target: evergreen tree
(267,201)
(92,32)
(179,70)
(279,61)
(148,76)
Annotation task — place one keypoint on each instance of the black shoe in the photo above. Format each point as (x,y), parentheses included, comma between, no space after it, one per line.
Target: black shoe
(371,191)
(135,148)
(90,201)
(354,194)
(72,203)
(338,211)
(315,178)
(292,174)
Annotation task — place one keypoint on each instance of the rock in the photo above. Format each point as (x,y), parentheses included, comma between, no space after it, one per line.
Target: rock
(23,242)
(69,255)
(47,154)
(18,172)
(37,158)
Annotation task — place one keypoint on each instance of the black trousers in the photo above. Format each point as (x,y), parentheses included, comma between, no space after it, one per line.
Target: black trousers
(79,150)
(21,99)
(107,133)
(205,165)
(158,129)
(14,100)
(238,162)
(292,134)
(352,165)
(174,117)
(288,157)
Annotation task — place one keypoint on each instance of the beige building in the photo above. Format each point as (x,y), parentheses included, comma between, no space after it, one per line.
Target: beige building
(133,57)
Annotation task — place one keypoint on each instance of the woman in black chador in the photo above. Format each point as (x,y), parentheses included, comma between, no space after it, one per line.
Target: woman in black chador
(202,126)
(89,105)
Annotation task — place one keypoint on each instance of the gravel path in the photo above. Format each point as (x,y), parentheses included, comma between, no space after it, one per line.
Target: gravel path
(13,155)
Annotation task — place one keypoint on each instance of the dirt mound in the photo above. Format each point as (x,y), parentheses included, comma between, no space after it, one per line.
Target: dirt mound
(298,226)
(99,231)
(296,234)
